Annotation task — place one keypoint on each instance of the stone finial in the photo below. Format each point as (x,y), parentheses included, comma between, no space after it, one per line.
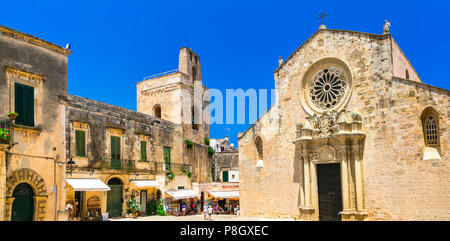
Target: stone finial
(280,61)
(356,116)
(387,25)
(322,26)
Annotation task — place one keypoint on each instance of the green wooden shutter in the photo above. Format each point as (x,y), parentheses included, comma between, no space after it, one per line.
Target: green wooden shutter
(24,104)
(80,139)
(115,152)
(143,151)
(167,157)
(225,176)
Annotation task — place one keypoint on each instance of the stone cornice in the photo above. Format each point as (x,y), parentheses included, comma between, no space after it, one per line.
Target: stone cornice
(34,40)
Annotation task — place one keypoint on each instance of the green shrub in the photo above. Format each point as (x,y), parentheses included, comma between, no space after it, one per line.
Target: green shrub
(133,205)
(151,207)
(190,174)
(189,144)
(211,151)
(160,209)
(207,141)
(171,175)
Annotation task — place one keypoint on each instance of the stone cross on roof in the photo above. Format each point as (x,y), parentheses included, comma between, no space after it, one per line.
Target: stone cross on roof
(321,16)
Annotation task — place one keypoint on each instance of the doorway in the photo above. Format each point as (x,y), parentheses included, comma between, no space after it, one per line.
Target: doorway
(114,206)
(23,204)
(143,200)
(329,188)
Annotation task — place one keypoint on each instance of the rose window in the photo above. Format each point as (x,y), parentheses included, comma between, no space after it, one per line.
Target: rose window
(327,87)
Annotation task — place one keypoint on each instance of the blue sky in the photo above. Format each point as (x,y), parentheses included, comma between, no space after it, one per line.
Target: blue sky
(116,44)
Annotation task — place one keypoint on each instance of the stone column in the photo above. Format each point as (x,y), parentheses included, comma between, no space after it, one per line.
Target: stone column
(302,182)
(359,180)
(345,185)
(307,182)
(2,184)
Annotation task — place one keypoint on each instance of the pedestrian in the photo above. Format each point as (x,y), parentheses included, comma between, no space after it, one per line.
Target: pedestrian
(237,210)
(183,209)
(210,212)
(198,207)
(205,210)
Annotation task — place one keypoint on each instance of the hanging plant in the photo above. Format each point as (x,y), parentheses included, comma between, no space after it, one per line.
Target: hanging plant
(211,151)
(12,115)
(5,134)
(171,175)
(189,144)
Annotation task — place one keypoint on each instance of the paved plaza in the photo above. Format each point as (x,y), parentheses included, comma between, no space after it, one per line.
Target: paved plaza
(197,218)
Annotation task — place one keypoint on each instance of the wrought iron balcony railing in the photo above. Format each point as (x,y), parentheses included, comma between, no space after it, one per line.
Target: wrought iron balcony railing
(5,131)
(123,164)
(174,167)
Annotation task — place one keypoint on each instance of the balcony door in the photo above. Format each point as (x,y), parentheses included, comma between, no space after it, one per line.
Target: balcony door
(115,152)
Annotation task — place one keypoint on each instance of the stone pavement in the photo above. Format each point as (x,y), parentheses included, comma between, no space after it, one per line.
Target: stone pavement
(197,218)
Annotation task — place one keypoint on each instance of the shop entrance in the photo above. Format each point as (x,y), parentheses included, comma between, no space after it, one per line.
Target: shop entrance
(114,206)
(23,204)
(329,188)
(143,201)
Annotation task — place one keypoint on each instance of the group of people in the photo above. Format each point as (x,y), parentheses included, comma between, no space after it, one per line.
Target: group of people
(209,210)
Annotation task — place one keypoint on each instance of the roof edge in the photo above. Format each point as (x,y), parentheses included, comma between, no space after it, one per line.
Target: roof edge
(34,40)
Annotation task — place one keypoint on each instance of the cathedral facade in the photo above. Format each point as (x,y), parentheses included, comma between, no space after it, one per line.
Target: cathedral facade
(354,134)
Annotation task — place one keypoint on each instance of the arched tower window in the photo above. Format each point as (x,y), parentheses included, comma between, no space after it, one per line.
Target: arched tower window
(259,147)
(157,111)
(194,74)
(430,126)
(406,74)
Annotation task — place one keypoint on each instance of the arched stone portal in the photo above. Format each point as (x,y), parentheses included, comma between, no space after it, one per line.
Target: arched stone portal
(31,178)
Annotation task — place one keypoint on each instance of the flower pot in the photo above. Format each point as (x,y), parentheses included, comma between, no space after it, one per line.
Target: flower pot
(12,116)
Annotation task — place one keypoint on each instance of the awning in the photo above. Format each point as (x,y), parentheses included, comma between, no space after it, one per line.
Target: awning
(183,193)
(145,183)
(87,184)
(224,194)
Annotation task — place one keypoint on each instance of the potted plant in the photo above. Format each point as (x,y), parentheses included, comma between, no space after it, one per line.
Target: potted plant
(190,174)
(183,171)
(171,175)
(5,134)
(12,115)
(133,206)
(189,143)
(160,208)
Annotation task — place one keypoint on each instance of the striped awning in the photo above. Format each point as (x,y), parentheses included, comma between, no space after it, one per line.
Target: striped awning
(81,184)
(145,183)
(183,194)
(224,194)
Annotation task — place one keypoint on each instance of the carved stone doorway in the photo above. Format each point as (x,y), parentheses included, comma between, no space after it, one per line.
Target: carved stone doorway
(329,191)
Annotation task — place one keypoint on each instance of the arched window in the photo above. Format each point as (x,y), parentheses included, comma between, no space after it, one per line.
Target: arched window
(194,125)
(157,111)
(430,126)
(406,74)
(194,74)
(259,147)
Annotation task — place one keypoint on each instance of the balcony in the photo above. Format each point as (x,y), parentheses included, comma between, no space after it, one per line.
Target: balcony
(5,131)
(124,164)
(174,167)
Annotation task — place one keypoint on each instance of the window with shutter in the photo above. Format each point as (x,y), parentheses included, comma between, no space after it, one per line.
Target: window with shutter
(143,151)
(167,158)
(225,176)
(115,152)
(80,143)
(24,104)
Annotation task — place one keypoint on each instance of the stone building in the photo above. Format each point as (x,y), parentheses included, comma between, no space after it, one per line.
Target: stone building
(354,135)
(225,162)
(133,152)
(33,79)
(64,149)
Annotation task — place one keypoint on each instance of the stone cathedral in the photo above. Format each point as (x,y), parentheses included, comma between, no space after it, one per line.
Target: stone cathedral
(354,134)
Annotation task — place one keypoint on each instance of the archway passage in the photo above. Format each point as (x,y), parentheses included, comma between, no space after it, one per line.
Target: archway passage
(114,206)
(23,204)
(329,188)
